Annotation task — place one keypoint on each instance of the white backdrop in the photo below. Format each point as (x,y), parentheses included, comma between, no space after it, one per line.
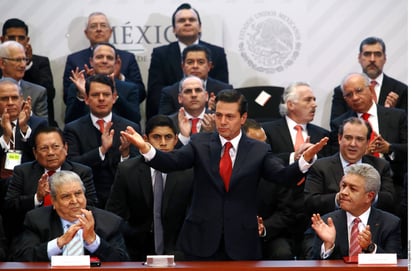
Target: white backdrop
(267,42)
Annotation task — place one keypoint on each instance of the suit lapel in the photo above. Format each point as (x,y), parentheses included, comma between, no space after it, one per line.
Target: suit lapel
(337,167)
(215,149)
(285,135)
(146,183)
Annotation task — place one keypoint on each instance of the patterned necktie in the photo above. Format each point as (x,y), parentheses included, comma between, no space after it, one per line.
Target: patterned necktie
(372,85)
(47,198)
(101,125)
(299,141)
(365,117)
(194,125)
(354,246)
(75,246)
(157,212)
(225,166)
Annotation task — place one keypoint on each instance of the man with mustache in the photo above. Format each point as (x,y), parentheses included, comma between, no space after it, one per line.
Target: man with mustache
(298,109)
(389,92)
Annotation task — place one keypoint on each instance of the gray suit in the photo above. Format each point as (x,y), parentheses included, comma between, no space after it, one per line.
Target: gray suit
(38,96)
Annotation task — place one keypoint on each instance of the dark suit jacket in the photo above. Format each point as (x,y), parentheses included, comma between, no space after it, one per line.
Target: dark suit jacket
(169,102)
(389,84)
(278,137)
(393,126)
(385,229)
(84,140)
(23,186)
(129,69)
(132,199)
(127,105)
(323,179)
(215,214)
(276,208)
(26,146)
(43,225)
(280,140)
(166,69)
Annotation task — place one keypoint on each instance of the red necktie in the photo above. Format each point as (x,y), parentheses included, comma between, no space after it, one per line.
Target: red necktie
(365,117)
(354,246)
(225,166)
(194,125)
(299,141)
(372,85)
(47,198)
(101,125)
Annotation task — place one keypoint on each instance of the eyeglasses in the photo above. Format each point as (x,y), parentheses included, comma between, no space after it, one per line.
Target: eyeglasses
(18,59)
(357,91)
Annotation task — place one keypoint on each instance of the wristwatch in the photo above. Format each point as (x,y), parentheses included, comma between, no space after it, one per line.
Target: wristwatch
(370,248)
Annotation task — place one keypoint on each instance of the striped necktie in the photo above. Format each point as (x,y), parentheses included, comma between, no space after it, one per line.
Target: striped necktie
(75,246)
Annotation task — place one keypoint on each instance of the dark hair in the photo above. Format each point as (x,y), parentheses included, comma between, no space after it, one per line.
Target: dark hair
(107,44)
(233,96)
(372,41)
(184,6)
(47,130)
(14,22)
(160,120)
(251,124)
(197,48)
(99,78)
(358,121)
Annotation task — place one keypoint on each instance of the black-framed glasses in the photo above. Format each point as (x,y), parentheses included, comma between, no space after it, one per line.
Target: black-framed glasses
(17,59)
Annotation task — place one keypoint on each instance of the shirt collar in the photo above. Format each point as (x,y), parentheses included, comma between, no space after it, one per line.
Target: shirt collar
(234,141)
(106,119)
(363,217)
(291,124)
(183,46)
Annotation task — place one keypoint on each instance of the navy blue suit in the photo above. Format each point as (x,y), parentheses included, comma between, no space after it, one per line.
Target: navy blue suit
(169,102)
(129,69)
(385,229)
(166,69)
(127,104)
(84,140)
(214,214)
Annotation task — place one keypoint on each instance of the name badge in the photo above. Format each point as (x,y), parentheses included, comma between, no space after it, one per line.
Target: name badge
(13,158)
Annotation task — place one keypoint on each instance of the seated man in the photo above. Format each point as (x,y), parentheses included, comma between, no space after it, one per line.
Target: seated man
(134,198)
(28,188)
(50,230)
(16,128)
(371,230)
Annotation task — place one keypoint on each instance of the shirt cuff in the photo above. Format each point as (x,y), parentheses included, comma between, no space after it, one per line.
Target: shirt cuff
(183,139)
(150,154)
(53,248)
(326,254)
(304,166)
(93,246)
